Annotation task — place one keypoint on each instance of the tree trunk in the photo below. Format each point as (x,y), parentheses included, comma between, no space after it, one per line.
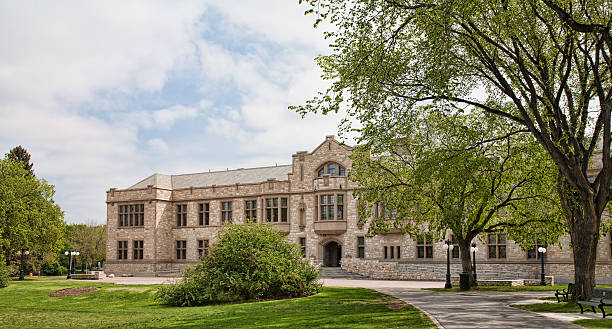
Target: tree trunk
(466,258)
(583,222)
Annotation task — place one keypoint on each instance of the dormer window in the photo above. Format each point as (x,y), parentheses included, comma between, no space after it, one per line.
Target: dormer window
(332,169)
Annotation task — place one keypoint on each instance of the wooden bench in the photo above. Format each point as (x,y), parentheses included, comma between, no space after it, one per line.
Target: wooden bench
(565,294)
(601,297)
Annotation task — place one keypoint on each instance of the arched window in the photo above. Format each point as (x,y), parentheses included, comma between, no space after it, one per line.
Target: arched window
(332,169)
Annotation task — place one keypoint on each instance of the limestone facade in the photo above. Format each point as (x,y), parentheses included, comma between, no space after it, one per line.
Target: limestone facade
(183,213)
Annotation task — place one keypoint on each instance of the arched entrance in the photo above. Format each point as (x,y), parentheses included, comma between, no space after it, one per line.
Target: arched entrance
(332,253)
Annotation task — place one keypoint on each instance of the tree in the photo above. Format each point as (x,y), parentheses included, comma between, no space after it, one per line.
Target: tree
(89,240)
(19,154)
(544,64)
(29,217)
(470,174)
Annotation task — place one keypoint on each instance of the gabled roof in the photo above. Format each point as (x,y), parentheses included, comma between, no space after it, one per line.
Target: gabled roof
(206,179)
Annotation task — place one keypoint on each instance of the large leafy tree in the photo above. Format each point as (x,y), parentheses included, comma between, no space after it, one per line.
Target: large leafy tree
(470,174)
(29,217)
(544,64)
(89,240)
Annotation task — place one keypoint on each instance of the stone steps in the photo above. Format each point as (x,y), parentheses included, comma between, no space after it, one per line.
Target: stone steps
(339,273)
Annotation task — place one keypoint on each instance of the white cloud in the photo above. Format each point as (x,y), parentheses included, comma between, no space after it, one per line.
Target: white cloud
(165,118)
(158,145)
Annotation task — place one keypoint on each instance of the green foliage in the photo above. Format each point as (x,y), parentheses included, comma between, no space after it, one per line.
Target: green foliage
(29,217)
(54,269)
(89,240)
(468,173)
(4,274)
(248,262)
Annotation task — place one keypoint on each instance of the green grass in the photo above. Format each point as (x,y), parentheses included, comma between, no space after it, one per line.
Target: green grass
(595,323)
(504,288)
(26,305)
(41,278)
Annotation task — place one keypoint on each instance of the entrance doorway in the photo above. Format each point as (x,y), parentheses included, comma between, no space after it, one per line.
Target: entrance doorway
(332,253)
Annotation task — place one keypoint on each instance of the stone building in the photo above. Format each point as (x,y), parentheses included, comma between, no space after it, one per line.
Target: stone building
(164,223)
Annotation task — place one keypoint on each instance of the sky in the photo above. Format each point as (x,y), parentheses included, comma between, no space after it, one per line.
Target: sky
(103,94)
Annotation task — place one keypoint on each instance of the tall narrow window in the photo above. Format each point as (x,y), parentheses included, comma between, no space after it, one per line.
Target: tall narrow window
(385,249)
(533,253)
(424,247)
(276,209)
(202,248)
(204,214)
(122,250)
(303,246)
(496,244)
(250,210)
(360,247)
(331,207)
(138,250)
(181,249)
(455,252)
(226,212)
(397,252)
(181,215)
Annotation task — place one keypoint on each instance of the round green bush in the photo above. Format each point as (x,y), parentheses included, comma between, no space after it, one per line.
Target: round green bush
(54,269)
(248,262)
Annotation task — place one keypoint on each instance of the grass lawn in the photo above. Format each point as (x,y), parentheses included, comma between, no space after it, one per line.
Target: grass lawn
(41,278)
(27,305)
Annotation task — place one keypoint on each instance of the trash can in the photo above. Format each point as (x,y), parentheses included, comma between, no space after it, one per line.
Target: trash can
(464,281)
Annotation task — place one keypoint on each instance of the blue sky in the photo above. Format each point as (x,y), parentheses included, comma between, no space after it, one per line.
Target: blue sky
(103,94)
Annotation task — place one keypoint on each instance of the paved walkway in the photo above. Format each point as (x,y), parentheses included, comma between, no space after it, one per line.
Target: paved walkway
(478,310)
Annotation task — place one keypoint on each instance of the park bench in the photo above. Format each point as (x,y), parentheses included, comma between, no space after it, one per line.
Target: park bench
(601,297)
(565,294)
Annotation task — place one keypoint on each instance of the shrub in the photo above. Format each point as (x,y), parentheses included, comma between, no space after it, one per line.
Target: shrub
(4,274)
(54,269)
(248,262)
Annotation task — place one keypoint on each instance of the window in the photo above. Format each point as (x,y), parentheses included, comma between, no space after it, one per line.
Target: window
(204,214)
(303,246)
(391,252)
(131,215)
(122,250)
(360,247)
(424,247)
(332,169)
(181,215)
(181,249)
(226,212)
(202,248)
(332,207)
(455,252)
(250,210)
(533,253)
(138,249)
(497,245)
(274,207)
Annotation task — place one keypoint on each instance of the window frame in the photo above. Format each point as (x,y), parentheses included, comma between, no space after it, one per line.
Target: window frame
(138,249)
(497,246)
(204,214)
(361,247)
(275,211)
(226,213)
(336,207)
(325,169)
(130,215)
(250,211)
(181,215)
(302,242)
(181,249)
(203,245)
(534,249)
(122,249)
(424,243)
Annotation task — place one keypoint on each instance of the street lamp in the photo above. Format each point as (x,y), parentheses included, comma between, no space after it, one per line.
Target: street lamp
(70,253)
(542,251)
(448,246)
(22,253)
(474,249)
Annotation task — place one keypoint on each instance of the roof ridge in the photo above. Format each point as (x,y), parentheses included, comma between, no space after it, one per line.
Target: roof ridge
(230,170)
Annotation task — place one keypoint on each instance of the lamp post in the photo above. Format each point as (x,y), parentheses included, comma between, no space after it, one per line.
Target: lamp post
(448,246)
(542,252)
(22,254)
(474,249)
(70,253)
